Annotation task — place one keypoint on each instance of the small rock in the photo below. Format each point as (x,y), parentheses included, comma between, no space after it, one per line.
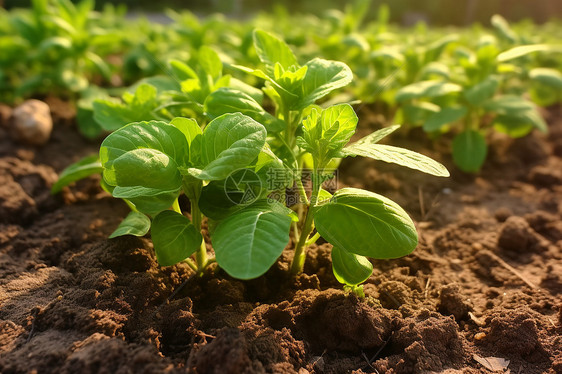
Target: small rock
(32,122)
(479,336)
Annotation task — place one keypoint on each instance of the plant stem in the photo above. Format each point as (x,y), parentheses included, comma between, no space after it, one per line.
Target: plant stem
(201,254)
(312,239)
(302,191)
(191,264)
(300,250)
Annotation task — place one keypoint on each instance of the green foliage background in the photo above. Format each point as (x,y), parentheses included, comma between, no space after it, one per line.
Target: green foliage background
(437,12)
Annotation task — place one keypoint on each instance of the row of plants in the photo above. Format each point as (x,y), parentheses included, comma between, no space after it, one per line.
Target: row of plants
(232,118)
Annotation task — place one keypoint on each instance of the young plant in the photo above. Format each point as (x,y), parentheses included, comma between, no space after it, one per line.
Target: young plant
(358,223)
(381,229)
(149,164)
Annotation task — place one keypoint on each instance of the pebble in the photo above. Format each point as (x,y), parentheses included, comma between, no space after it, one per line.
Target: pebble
(479,336)
(32,123)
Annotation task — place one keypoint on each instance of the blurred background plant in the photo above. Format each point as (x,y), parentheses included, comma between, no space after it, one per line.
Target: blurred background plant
(436,12)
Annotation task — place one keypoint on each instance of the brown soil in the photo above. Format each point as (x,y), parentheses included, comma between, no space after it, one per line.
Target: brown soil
(485,280)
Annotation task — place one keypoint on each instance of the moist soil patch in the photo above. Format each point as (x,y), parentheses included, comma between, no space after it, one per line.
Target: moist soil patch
(485,280)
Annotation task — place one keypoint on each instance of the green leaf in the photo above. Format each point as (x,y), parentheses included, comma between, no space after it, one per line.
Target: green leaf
(338,124)
(79,170)
(503,28)
(545,96)
(322,77)
(216,202)
(324,196)
(112,114)
(469,151)
(193,135)
(548,77)
(253,92)
(397,155)
(260,74)
(515,127)
(349,268)
(523,50)
(367,224)
(189,127)
(56,42)
(430,89)
(249,241)
(182,71)
(156,135)
(135,223)
(230,142)
(508,104)
(228,100)
(85,111)
(376,136)
(143,171)
(151,205)
(174,237)
(141,160)
(271,50)
(435,69)
(85,121)
(444,117)
(210,62)
(240,189)
(482,91)
(324,135)
(518,124)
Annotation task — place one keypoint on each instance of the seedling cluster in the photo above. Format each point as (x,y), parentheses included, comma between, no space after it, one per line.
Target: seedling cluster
(229,116)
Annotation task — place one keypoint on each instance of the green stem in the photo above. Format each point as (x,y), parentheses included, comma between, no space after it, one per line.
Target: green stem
(302,191)
(295,231)
(300,250)
(191,264)
(131,205)
(201,254)
(312,239)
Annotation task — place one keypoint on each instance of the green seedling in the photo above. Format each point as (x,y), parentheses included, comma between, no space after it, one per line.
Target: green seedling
(149,164)
(322,137)
(480,97)
(225,172)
